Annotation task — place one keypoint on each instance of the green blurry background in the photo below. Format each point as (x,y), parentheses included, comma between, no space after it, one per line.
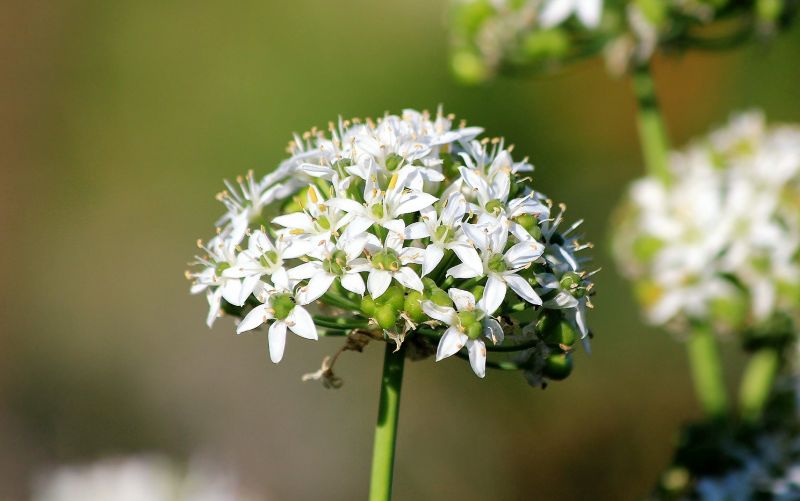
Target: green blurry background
(119,122)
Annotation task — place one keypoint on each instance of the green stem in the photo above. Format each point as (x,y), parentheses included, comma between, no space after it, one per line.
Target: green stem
(706,367)
(380,488)
(334,299)
(652,131)
(757,383)
(340,323)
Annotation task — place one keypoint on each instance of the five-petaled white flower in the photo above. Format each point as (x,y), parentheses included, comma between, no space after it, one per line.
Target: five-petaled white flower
(284,310)
(500,267)
(467,324)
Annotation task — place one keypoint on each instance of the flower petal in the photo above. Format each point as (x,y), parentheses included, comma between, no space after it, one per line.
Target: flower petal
(301,323)
(523,289)
(450,343)
(463,271)
(417,230)
(463,300)
(523,253)
(412,202)
(255,318)
(477,356)
(493,294)
(433,256)
(409,278)
(443,314)
(492,330)
(294,220)
(317,286)
(354,283)
(276,338)
(469,256)
(377,282)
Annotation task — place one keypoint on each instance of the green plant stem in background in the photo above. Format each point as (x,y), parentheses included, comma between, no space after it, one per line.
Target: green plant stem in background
(380,488)
(757,383)
(706,367)
(704,356)
(652,132)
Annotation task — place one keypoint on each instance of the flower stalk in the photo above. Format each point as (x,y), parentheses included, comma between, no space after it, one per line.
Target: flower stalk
(757,381)
(652,131)
(386,428)
(702,346)
(707,373)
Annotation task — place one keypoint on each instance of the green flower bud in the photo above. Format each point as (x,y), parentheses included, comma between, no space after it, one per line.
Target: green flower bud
(393,161)
(769,10)
(368,306)
(474,331)
(429,283)
(377,210)
(558,366)
(386,316)
(450,167)
(221,267)
(554,330)
(413,307)
(497,263)
(440,298)
(494,206)
(332,267)
(393,296)
(468,67)
(467,318)
(386,260)
(477,291)
(546,44)
(569,280)
(282,304)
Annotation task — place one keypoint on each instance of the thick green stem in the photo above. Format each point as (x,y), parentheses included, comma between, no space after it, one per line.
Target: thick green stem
(380,488)
(757,383)
(706,366)
(652,132)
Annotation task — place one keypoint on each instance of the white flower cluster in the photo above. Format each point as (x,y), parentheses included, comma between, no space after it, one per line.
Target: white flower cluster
(403,221)
(721,242)
(494,35)
(138,478)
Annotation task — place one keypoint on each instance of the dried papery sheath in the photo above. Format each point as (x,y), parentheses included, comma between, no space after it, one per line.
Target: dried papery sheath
(409,229)
(720,243)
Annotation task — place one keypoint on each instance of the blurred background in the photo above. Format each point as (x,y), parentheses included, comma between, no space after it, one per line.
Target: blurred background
(119,122)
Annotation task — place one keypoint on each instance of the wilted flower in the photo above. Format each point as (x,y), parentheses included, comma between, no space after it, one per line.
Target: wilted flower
(414,212)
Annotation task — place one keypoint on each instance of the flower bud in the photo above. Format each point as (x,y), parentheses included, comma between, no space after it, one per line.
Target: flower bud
(474,331)
(477,291)
(394,296)
(283,305)
(368,305)
(386,316)
(393,161)
(558,366)
(413,308)
(440,298)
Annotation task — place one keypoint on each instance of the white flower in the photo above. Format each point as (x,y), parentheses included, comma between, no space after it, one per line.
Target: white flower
(262,257)
(389,261)
(444,232)
(500,268)
(724,232)
(312,229)
(284,310)
(342,261)
(556,12)
(383,208)
(221,255)
(467,323)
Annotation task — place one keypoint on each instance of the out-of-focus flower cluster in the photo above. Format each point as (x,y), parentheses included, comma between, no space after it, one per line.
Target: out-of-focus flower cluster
(733,462)
(492,36)
(408,224)
(138,478)
(721,242)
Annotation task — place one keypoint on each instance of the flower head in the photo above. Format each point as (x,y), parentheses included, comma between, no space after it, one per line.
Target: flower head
(404,226)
